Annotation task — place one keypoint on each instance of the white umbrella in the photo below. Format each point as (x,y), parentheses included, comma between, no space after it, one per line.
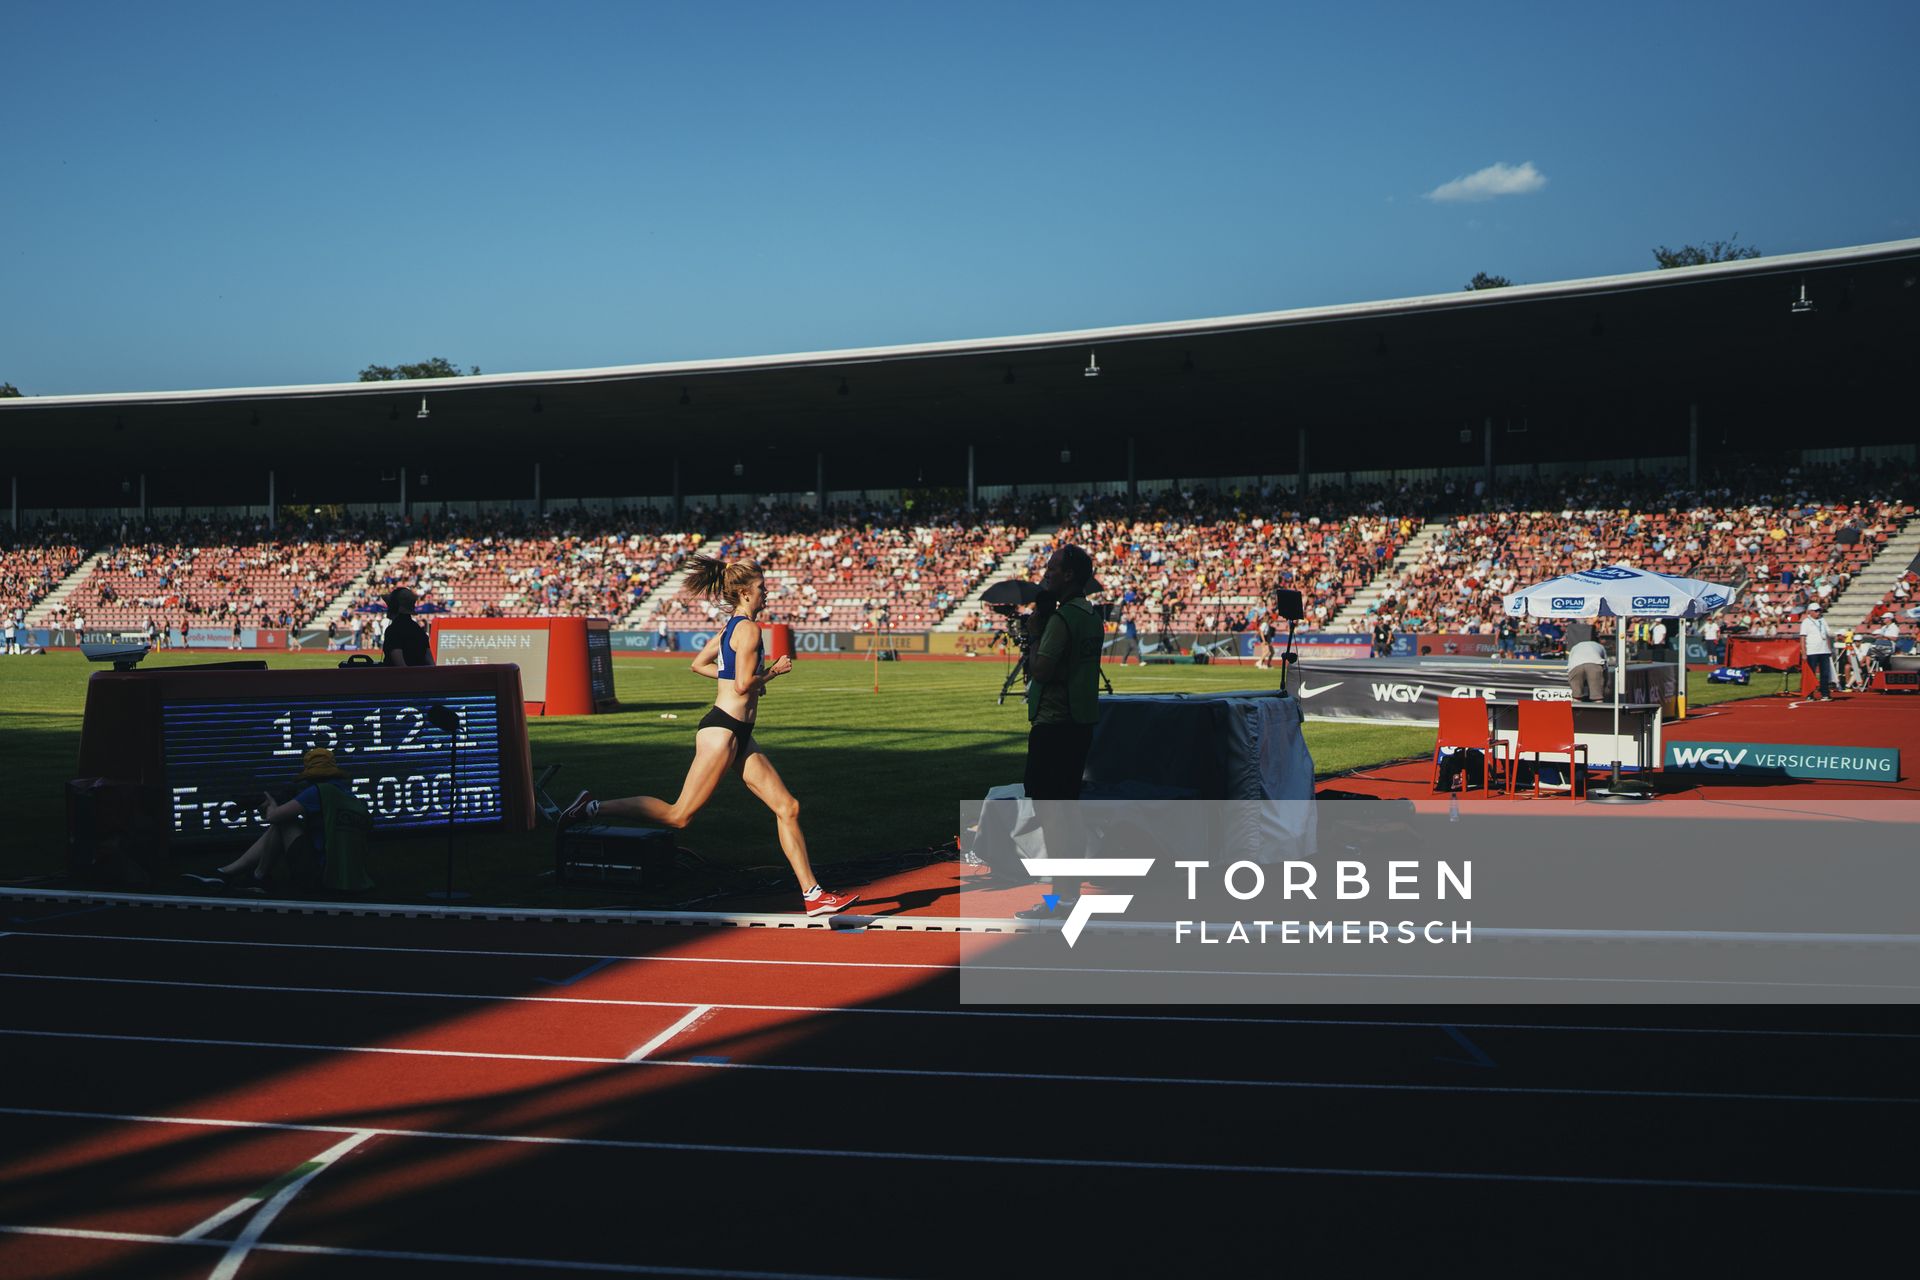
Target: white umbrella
(1622,591)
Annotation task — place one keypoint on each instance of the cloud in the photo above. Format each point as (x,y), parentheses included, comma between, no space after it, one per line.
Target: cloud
(1494,180)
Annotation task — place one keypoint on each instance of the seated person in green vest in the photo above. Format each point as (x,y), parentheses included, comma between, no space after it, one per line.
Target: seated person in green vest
(1063,698)
(295,825)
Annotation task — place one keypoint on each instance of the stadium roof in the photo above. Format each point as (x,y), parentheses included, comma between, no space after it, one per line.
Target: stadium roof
(1379,384)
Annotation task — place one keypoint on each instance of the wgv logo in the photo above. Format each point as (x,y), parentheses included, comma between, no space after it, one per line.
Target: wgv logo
(1091,904)
(1576,603)
(1652,602)
(1708,757)
(1398,692)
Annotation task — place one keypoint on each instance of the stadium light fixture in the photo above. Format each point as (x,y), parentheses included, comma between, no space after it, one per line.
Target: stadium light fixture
(1008,379)
(393,413)
(1803,304)
(1066,455)
(1186,365)
(538,405)
(1093,364)
(739,468)
(843,387)
(684,397)
(423,415)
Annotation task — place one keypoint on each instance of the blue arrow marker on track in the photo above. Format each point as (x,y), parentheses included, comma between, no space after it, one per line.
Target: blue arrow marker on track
(1051,899)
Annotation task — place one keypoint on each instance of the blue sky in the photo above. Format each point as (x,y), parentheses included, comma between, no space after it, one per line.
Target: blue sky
(201,195)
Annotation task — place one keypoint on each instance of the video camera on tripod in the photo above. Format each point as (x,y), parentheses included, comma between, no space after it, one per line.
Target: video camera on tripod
(1025,609)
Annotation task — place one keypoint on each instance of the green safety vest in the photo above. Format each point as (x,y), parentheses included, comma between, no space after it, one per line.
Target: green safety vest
(1073,695)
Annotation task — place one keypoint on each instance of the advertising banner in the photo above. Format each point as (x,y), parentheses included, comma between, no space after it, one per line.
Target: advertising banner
(1324,645)
(1456,645)
(1410,692)
(1774,760)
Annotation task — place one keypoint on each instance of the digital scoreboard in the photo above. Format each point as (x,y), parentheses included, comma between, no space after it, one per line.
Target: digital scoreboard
(211,741)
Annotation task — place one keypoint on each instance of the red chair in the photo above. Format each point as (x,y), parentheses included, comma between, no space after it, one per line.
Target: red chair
(1547,728)
(1464,723)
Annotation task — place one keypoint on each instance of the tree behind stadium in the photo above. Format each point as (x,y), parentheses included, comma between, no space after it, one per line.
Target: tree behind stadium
(1693,255)
(1481,280)
(8,391)
(438,367)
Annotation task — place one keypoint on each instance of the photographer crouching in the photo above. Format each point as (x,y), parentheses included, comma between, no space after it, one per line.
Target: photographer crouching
(1063,700)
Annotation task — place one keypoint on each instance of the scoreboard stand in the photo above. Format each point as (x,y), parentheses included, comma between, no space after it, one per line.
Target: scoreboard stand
(566,664)
(605,853)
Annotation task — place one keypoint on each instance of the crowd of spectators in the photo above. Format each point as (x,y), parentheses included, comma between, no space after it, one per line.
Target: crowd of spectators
(1201,561)
(1798,541)
(220,572)
(861,567)
(573,563)
(1188,560)
(34,564)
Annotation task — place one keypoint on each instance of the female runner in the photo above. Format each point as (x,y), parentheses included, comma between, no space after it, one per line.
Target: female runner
(725,737)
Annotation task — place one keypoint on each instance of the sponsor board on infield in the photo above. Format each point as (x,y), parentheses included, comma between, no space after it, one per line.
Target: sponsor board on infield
(1778,760)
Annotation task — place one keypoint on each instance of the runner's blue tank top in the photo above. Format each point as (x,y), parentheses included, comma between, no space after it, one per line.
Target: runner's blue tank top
(726,647)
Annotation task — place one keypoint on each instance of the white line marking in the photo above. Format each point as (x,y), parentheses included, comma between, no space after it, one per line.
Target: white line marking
(413,1255)
(248,1239)
(254,1197)
(693,1015)
(889,1011)
(934,1073)
(947,1157)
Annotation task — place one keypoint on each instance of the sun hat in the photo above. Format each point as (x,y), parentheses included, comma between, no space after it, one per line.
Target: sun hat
(318,764)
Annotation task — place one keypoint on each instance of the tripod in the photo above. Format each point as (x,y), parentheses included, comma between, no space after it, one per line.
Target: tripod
(1019,669)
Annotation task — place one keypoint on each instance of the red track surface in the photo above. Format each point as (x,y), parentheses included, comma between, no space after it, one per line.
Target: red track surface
(165,1066)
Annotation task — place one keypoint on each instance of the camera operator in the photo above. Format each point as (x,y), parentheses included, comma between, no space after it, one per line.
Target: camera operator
(1063,698)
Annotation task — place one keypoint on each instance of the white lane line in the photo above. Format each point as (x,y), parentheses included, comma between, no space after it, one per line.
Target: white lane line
(933,1073)
(975,967)
(260,1193)
(1016,1014)
(699,1013)
(256,1227)
(415,1255)
(948,1157)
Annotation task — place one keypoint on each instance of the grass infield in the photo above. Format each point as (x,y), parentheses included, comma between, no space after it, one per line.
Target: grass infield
(876,774)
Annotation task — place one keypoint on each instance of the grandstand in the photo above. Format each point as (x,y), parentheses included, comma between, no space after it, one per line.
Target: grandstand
(1435,450)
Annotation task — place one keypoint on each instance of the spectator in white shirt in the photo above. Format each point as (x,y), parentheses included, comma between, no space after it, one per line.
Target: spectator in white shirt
(1819,650)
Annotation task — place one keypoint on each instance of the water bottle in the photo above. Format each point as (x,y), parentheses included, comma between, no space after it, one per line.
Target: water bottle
(1453,805)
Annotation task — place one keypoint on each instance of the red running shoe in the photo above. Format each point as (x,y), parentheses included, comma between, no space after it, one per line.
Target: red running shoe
(828,902)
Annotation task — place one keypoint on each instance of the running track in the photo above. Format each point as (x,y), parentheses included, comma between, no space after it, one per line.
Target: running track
(229,1092)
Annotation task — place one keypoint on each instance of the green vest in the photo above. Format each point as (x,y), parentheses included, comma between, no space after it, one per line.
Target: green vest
(1073,695)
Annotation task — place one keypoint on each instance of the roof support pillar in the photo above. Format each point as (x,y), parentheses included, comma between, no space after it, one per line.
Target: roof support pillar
(1693,444)
(1133,479)
(820,482)
(1306,477)
(1489,454)
(539,501)
(273,505)
(143,497)
(679,502)
(16,502)
(973,490)
(405,510)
